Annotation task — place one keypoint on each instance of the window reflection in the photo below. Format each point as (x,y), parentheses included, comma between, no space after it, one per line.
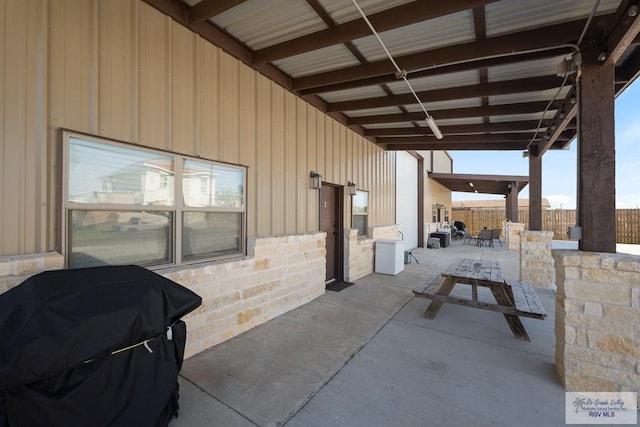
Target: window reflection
(360,212)
(119,237)
(111,174)
(210,234)
(120,206)
(206,184)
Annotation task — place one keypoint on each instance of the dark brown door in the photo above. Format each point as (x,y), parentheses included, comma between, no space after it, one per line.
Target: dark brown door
(330,223)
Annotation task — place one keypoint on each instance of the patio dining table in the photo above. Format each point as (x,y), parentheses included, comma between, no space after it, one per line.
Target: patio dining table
(513,298)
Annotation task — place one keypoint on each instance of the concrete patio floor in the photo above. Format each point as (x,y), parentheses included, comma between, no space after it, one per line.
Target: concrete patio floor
(366,356)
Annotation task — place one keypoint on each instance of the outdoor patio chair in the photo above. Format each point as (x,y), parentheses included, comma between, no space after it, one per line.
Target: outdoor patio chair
(486,236)
(456,233)
(496,235)
(459,225)
(469,237)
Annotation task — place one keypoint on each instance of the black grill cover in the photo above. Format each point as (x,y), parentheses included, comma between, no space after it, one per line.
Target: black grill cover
(459,225)
(58,330)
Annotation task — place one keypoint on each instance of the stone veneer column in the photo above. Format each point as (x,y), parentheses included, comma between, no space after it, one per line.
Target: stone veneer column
(512,234)
(536,262)
(358,255)
(360,252)
(598,321)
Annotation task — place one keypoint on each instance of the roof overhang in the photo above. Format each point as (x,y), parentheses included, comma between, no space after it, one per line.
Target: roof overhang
(494,75)
(485,184)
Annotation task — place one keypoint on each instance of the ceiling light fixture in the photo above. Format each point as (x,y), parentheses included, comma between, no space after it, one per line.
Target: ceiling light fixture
(401,74)
(434,127)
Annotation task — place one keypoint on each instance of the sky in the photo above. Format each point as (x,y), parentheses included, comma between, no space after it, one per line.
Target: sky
(559,174)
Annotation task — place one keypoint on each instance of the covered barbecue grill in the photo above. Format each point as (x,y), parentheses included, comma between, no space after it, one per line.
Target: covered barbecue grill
(95,346)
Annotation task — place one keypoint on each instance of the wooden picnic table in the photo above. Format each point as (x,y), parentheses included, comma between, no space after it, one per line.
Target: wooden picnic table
(513,298)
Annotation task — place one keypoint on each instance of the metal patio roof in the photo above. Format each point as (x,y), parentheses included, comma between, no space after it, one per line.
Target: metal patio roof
(485,70)
(485,184)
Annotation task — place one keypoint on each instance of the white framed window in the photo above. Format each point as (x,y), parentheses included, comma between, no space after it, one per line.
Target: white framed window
(360,212)
(125,204)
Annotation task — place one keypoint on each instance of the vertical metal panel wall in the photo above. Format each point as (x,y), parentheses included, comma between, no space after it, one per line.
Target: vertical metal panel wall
(442,163)
(121,70)
(23,138)
(435,193)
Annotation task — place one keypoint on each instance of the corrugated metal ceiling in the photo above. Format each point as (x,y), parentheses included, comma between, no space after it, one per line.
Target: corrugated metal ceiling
(439,32)
(447,35)
(359,93)
(260,23)
(317,61)
(521,70)
(463,78)
(447,105)
(342,11)
(508,16)
(544,95)
(522,117)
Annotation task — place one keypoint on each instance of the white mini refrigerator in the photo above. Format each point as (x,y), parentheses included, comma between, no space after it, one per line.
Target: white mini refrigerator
(389,256)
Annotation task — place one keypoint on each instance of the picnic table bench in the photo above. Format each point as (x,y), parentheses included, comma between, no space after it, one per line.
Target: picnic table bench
(513,298)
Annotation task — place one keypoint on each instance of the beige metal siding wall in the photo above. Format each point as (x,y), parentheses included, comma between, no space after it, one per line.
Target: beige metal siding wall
(23,141)
(442,163)
(435,193)
(122,70)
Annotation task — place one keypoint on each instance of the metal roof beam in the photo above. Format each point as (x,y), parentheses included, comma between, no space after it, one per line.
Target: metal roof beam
(459,129)
(532,84)
(456,139)
(480,178)
(620,38)
(623,34)
(629,71)
(504,45)
(407,14)
(457,113)
(207,9)
(493,146)
(446,69)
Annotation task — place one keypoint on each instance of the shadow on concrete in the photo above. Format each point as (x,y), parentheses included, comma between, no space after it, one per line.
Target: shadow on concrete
(366,356)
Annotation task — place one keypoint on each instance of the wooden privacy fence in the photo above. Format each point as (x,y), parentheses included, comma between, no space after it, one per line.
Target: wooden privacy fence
(556,220)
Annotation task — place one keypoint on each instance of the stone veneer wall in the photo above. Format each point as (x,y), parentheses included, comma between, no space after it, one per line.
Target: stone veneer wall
(15,269)
(512,234)
(280,274)
(598,321)
(536,262)
(360,252)
(358,255)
